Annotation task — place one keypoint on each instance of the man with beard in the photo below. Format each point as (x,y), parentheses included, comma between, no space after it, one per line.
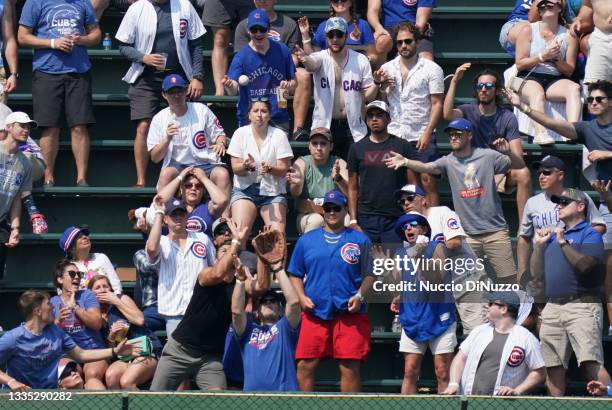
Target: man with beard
(342,81)
(471,174)
(491,123)
(415,92)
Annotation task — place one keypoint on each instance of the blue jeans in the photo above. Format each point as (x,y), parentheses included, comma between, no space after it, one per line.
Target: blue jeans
(153,320)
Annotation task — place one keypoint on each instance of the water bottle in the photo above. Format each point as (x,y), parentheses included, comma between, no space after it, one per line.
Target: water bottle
(396,326)
(107,42)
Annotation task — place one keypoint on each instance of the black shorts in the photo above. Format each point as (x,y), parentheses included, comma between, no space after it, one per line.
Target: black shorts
(145,94)
(226,13)
(545,80)
(58,95)
(122,5)
(429,155)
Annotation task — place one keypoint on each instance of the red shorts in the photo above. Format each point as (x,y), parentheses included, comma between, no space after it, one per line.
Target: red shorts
(346,336)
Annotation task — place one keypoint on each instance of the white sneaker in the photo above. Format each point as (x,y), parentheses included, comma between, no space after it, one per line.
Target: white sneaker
(543,138)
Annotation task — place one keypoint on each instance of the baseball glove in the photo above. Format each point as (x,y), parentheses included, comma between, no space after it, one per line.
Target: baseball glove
(270,246)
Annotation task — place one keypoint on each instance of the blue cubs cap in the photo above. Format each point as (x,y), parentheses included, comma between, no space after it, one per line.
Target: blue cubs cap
(336,23)
(69,235)
(410,189)
(258,17)
(460,124)
(175,204)
(335,197)
(403,221)
(173,81)
(550,161)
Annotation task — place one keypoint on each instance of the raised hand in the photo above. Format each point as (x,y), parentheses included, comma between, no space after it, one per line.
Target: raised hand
(543,236)
(159,204)
(304,26)
(460,71)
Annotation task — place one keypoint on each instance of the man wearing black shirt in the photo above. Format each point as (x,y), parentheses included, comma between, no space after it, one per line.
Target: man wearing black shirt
(372,205)
(196,346)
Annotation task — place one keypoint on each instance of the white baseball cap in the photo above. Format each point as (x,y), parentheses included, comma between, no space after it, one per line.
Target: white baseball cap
(381,105)
(20,117)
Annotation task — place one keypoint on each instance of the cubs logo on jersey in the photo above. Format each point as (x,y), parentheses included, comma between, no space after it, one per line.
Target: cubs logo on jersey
(274,35)
(350,253)
(517,356)
(199,140)
(183,24)
(199,250)
(410,2)
(452,223)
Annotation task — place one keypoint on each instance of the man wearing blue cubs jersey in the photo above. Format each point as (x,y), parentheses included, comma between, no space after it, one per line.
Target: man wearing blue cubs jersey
(268,338)
(334,321)
(269,68)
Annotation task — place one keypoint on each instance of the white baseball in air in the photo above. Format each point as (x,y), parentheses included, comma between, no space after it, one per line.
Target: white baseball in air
(243,80)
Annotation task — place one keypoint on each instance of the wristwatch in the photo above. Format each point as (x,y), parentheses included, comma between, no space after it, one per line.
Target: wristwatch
(562,242)
(15,74)
(198,77)
(361,297)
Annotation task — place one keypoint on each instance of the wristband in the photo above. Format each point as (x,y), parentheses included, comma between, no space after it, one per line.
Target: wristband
(405,163)
(353,222)
(525,108)
(239,281)
(114,353)
(236,242)
(10,381)
(541,58)
(160,212)
(453,384)
(53,43)
(306,41)
(277,270)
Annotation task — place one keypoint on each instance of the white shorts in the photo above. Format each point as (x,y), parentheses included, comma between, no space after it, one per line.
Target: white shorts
(599,63)
(445,343)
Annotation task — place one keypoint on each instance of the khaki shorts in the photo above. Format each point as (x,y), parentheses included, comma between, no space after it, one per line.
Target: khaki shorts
(445,343)
(571,326)
(498,250)
(472,314)
(599,63)
(4,96)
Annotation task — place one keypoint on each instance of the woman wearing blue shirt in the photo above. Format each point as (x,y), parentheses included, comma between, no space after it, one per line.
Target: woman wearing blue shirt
(77,312)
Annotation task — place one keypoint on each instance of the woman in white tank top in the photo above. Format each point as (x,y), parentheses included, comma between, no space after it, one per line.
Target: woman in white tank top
(546,57)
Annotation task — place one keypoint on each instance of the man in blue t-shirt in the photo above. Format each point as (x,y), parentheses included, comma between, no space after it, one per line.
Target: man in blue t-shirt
(30,353)
(268,338)
(60,31)
(569,262)
(268,69)
(491,122)
(394,12)
(427,317)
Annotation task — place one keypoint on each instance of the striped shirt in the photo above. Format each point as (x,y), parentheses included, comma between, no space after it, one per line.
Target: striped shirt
(522,354)
(178,271)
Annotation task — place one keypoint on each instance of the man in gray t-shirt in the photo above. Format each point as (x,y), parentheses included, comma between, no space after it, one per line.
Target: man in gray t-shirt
(471,174)
(540,212)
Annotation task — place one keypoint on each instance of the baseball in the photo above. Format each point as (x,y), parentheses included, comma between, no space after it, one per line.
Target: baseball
(243,80)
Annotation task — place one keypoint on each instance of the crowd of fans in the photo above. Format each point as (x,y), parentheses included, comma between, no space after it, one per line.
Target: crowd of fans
(367,190)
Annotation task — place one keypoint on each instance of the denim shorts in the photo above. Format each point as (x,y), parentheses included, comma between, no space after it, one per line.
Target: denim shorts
(206,167)
(252,194)
(503,36)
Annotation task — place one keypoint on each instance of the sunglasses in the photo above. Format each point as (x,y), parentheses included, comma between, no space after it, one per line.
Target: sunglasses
(191,185)
(547,5)
(457,134)
(496,304)
(564,201)
(599,100)
(260,99)
(335,34)
(330,208)
(414,224)
(487,86)
(406,41)
(546,172)
(258,29)
(73,273)
(338,1)
(222,231)
(408,198)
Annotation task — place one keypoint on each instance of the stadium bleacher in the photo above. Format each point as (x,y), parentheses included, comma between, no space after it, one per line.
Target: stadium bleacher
(104,205)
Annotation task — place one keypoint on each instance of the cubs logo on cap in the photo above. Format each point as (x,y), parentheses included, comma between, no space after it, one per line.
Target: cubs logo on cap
(258,17)
(350,253)
(517,356)
(199,250)
(173,81)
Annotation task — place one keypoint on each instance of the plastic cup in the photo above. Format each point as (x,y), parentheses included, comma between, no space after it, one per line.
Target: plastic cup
(281,97)
(162,67)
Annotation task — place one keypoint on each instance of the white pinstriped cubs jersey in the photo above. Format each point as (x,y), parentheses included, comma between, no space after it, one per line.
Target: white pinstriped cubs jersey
(178,271)
(522,353)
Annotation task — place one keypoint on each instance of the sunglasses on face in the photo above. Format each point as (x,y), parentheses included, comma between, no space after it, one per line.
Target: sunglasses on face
(73,273)
(599,100)
(406,41)
(338,1)
(259,99)
(457,134)
(222,231)
(191,185)
(330,208)
(487,86)
(335,34)
(258,29)
(414,224)
(564,201)
(546,172)
(405,199)
(547,5)
(496,304)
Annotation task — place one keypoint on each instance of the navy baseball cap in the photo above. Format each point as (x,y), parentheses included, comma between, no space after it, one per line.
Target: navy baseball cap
(460,124)
(258,17)
(175,204)
(550,161)
(403,221)
(335,197)
(69,235)
(410,189)
(173,81)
